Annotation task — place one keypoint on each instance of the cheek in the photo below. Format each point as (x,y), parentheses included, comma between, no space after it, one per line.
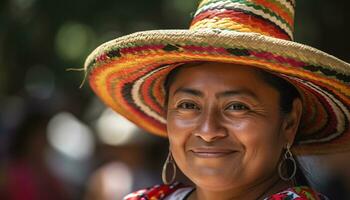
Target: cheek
(255,134)
(261,143)
(178,129)
(178,134)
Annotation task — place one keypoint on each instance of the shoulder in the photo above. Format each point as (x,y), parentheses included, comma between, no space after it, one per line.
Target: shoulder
(158,192)
(298,193)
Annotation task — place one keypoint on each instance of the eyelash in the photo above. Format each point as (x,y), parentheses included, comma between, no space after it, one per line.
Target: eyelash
(180,106)
(237,106)
(241,106)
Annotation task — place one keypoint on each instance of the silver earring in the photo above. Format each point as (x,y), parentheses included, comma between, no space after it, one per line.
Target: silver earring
(287,156)
(169,162)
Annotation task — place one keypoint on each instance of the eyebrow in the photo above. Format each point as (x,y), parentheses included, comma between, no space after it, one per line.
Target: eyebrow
(244,92)
(228,93)
(188,91)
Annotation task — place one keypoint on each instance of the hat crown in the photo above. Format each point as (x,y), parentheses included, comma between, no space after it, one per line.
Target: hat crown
(274,18)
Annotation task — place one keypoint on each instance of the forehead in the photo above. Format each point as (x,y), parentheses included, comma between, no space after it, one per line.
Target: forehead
(214,77)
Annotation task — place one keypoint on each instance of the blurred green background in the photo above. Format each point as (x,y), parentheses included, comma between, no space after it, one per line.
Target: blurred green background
(40,39)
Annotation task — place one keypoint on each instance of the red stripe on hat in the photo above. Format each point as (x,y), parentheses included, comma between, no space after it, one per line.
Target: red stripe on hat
(250,20)
(276,9)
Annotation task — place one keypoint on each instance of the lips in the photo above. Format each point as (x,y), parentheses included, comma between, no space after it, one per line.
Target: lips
(211,152)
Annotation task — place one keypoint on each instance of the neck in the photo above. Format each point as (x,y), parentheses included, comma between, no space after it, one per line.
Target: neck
(256,192)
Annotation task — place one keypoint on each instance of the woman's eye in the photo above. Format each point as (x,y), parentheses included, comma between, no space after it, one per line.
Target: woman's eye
(237,106)
(187,105)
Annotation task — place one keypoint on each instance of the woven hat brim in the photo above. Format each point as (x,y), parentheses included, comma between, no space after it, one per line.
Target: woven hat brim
(128,75)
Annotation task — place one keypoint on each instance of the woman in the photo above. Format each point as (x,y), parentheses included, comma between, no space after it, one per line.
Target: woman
(236,97)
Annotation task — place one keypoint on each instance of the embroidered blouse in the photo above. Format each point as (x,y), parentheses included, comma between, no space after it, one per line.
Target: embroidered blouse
(178,191)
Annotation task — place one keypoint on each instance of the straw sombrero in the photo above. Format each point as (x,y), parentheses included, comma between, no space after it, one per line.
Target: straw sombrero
(128,73)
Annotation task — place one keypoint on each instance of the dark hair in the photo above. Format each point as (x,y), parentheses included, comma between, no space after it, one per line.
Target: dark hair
(287,92)
(167,83)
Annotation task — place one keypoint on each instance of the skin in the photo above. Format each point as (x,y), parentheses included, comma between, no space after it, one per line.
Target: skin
(226,132)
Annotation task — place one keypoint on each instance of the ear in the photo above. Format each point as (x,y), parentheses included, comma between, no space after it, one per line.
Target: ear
(291,121)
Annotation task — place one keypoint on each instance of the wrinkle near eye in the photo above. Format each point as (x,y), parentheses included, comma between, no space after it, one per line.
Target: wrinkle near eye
(260,111)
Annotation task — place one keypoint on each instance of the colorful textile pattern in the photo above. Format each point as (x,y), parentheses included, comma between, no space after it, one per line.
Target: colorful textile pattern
(297,193)
(160,192)
(128,73)
(156,192)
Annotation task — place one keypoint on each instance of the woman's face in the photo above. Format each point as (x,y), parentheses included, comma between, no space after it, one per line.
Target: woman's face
(224,126)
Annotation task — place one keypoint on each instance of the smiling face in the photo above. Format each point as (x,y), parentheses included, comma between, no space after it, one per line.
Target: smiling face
(224,125)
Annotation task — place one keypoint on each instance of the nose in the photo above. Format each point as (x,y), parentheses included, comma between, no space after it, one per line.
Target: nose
(209,127)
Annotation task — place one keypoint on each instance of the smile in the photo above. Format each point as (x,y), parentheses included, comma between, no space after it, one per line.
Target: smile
(212,153)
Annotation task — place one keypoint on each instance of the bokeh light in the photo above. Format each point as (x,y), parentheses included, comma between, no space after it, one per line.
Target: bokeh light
(74,41)
(114,129)
(112,181)
(70,137)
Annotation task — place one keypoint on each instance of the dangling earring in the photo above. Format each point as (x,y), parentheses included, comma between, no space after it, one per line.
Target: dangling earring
(169,161)
(287,156)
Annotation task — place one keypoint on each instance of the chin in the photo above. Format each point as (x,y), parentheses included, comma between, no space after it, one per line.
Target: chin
(214,180)
(214,184)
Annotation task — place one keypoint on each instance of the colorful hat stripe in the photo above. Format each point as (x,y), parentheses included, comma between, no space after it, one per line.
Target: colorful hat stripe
(138,94)
(123,89)
(238,21)
(138,79)
(279,9)
(271,56)
(338,110)
(269,7)
(303,54)
(116,91)
(137,83)
(327,121)
(128,73)
(317,114)
(250,7)
(286,5)
(140,103)
(275,6)
(148,96)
